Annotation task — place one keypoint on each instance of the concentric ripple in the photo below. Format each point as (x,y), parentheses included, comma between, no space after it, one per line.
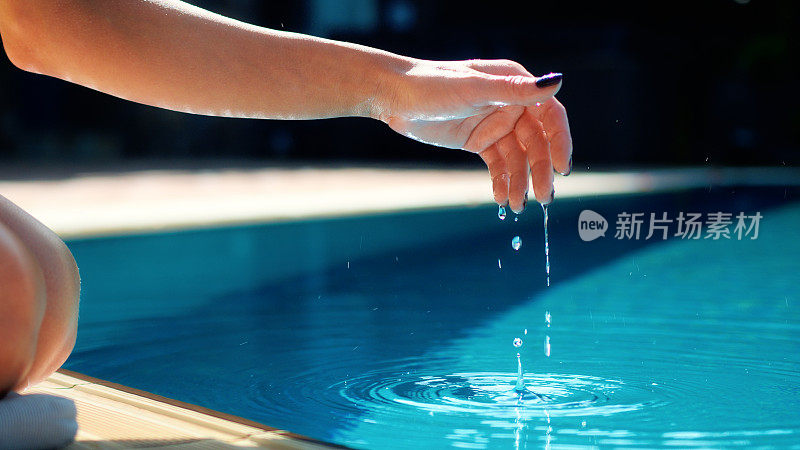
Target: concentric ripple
(491,394)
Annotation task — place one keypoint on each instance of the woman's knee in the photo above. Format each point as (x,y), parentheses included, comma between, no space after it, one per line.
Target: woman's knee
(58,329)
(60,322)
(22,306)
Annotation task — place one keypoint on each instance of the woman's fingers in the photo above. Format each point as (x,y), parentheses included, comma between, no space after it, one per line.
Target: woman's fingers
(491,128)
(518,170)
(553,117)
(540,141)
(514,89)
(498,170)
(531,134)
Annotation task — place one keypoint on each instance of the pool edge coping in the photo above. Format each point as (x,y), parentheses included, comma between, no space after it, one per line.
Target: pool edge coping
(243,432)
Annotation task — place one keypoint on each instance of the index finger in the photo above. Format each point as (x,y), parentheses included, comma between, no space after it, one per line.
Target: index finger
(553,117)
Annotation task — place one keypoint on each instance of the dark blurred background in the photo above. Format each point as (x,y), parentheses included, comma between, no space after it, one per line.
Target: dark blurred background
(711,82)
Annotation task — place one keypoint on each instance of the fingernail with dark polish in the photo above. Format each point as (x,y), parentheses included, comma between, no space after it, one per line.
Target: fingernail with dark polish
(549,80)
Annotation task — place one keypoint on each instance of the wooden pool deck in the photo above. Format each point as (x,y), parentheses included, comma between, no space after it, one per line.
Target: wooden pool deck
(112,416)
(101,203)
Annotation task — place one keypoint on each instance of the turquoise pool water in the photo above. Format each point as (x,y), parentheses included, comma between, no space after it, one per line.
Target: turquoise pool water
(349,331)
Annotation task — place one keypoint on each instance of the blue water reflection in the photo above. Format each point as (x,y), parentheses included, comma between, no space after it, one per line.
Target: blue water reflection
(675,343)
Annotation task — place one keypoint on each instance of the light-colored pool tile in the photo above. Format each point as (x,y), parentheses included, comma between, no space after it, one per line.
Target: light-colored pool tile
(154,200)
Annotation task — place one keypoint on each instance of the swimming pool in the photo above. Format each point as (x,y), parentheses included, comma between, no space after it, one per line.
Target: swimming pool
(395,331)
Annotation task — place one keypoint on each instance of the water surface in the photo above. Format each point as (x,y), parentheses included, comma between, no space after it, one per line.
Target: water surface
(660,344)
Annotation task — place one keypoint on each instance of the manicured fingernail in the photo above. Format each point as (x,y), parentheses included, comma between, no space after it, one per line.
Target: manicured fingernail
(552,197)
(569,169)
(549,80)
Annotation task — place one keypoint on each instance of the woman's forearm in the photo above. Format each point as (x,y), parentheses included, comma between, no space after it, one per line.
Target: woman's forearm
(173,55)
(176,56)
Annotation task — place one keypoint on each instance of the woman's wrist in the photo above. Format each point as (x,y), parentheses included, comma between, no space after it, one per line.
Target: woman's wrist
(385,79)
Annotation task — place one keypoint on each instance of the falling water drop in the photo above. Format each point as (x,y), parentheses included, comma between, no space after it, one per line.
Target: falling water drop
(525,332)
(546,246)
(547,318)
(516,219)
(520,385)
(516,243)
(501,212)
(499,264)
(547,346)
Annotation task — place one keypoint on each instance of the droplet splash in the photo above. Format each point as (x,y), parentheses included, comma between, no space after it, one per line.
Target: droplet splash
(519,387)
(516,243)
(546,247)
(501,212)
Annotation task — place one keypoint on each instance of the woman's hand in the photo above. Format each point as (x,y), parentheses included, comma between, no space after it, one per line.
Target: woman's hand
(494,108)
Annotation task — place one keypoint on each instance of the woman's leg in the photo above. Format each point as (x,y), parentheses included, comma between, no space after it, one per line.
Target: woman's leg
(22,305)
(39,291)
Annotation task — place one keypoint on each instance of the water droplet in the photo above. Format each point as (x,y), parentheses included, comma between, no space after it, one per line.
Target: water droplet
(348,264)
(499,264)
(526,331)
(501,212)
(546,246)
(516,219)
(547,346)
(547,318)
(516,243)
(517,342)
(583,424)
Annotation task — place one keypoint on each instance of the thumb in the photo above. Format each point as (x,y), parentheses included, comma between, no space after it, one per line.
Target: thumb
(518,89)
